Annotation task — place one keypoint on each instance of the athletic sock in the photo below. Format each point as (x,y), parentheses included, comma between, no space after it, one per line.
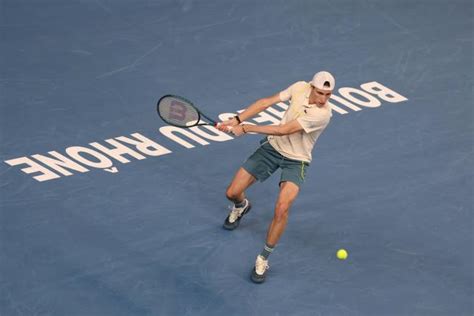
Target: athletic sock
(267,250)
(240,204)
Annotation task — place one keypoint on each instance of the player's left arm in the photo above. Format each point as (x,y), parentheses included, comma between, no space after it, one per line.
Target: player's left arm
(277,130)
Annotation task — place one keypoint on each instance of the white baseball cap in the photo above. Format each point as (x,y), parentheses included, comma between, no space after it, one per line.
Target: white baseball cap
(323,80)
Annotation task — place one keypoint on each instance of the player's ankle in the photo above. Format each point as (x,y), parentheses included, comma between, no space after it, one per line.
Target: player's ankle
(241,203)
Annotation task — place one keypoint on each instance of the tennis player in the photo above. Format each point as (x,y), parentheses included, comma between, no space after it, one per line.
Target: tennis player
(287,146)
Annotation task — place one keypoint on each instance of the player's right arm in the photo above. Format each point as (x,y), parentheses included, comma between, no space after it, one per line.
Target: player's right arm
(264,103)
(258,106)
(255,108)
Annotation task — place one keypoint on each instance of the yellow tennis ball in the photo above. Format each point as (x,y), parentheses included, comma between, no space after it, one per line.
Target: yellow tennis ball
(341,254)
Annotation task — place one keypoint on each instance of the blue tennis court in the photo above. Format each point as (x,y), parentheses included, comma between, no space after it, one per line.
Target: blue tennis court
(106,210)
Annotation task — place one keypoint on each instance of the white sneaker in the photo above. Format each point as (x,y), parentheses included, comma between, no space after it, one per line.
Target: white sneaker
(260,269)
(233,219)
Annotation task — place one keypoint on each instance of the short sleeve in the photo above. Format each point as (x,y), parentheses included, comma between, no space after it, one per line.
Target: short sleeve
(285,95)
(312,122)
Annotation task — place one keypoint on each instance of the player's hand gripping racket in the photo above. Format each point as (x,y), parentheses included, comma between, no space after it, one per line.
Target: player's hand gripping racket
(180,112)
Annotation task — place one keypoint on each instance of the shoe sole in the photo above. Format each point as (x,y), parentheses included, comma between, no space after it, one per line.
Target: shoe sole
(257,279)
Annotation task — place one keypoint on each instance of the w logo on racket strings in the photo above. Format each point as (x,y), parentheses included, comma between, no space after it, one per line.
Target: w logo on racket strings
(178,111)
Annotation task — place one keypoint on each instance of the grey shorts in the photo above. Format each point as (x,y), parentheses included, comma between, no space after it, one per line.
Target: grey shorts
(266,160)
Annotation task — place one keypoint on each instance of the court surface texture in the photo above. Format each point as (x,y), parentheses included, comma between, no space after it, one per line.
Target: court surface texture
(105,210)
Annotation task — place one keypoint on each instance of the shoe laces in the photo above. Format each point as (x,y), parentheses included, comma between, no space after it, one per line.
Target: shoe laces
(261,265)
(236,212)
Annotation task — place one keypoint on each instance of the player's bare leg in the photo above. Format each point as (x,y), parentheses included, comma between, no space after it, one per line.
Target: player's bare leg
(241,182)
(236,193)
(288,193)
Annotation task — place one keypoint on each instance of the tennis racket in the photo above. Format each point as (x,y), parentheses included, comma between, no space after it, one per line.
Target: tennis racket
(180,112)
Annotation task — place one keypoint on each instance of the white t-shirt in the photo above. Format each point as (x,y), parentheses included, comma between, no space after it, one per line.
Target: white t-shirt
(313,119)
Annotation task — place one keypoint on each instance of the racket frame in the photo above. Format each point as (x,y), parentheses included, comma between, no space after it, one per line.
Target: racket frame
(200,114)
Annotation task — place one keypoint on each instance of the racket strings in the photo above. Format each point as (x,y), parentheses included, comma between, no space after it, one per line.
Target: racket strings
(178,112)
